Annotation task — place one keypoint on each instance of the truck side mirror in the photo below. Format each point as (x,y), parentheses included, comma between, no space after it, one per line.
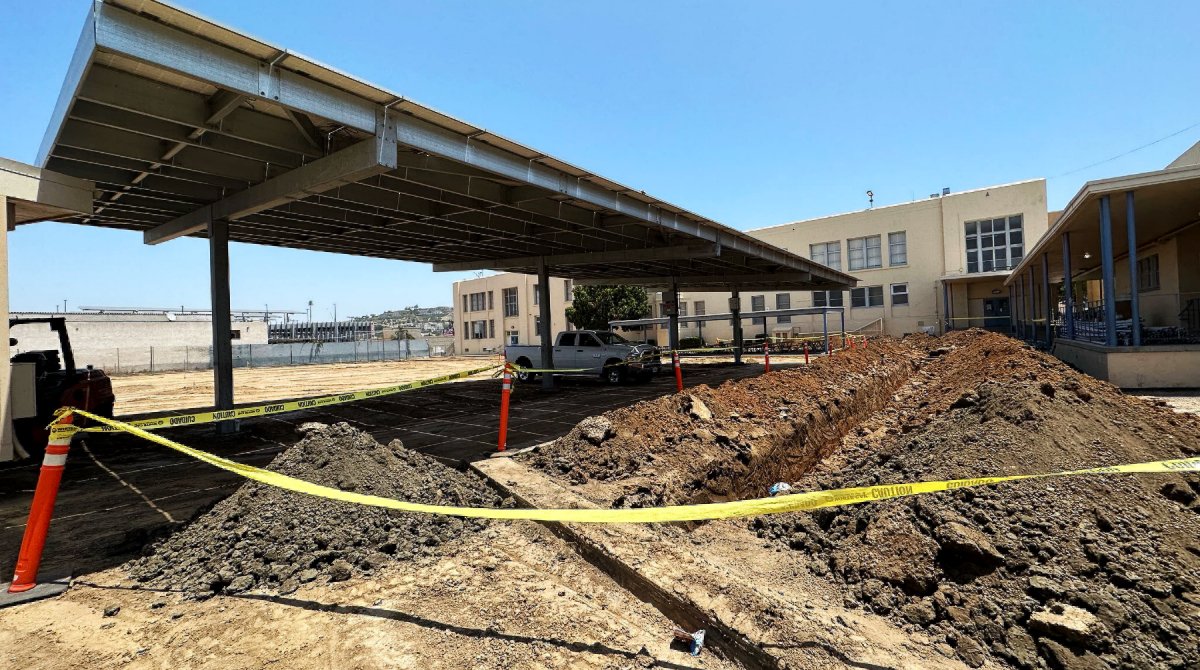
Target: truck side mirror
(12,341)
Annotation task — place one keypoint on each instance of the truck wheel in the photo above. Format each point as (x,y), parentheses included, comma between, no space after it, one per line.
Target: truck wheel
(614,373)
(522,376)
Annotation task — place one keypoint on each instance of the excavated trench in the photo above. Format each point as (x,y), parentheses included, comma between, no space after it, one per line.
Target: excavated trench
(814,436)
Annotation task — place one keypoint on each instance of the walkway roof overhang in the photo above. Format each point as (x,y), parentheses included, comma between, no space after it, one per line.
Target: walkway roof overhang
(181,121)
(1166,202)
(35,195)
(703,318)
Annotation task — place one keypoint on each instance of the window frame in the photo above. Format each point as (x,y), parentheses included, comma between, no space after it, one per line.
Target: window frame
(825,248)
(1148,268)
(508,295)
(893,292)
(762,307)
(866,252)
(867,293)
(779,304)
(903,245)
(980,243)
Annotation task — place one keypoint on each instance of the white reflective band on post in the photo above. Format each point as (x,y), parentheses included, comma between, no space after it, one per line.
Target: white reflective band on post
(55,459)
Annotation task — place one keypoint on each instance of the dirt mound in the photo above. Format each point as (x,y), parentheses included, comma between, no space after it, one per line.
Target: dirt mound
(1068,573)
(268,539)
(731,441)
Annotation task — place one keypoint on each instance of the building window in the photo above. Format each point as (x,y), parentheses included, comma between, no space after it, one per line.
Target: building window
(509,296)
(491,329)
(899,294)
(491,303)
(698,307)
(758,303)
(478,302)
(537,295)
(828,254)
(783,301)
(682,308)
(237,334)
(465,310)
(866,296)
(994,244)
(827,299)
(568,290)
(864,253)
(478,330)
(466,331)
(537,326)
(1147,270)
(898,248)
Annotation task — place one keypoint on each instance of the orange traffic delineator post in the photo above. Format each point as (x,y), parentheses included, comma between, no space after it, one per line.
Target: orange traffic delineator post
(766,355)
(505,392)
(678,372)
(806,353)
(41,511)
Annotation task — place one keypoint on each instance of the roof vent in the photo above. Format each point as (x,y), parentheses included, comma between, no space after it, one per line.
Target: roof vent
(945,190)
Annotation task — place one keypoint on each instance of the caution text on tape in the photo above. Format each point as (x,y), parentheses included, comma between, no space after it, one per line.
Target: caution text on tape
(739,508)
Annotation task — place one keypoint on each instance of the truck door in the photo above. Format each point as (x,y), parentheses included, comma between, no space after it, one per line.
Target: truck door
(564,351)
(590,353)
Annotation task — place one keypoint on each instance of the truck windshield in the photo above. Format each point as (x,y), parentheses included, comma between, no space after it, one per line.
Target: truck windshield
(611,338)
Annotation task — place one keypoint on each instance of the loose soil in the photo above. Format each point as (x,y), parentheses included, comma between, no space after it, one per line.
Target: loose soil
(1080,572)
(270,577)
(262,537)
(165,391)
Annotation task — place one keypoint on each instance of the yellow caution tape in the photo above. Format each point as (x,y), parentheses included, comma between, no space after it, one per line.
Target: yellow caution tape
(282,407)
(740,508)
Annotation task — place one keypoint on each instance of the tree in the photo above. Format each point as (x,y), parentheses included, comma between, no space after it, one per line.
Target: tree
(594,306)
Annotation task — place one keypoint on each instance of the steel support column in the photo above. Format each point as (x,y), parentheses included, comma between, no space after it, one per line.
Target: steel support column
(1047,310)
(1108,273)
(1135,312)
(1022,313)
(735,308)
(545,331)
(222,326)
(842,313)
(825,329)
(1033,307)
(1012,309)
(673,318)
(946,308)
(1068,288)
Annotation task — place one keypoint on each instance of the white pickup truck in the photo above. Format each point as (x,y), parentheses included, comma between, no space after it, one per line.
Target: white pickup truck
(590,352)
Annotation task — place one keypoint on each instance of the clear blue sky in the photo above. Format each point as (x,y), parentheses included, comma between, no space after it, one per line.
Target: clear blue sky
(752,114)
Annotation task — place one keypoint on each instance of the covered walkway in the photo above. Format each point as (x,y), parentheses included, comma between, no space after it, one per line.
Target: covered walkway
(1114,286)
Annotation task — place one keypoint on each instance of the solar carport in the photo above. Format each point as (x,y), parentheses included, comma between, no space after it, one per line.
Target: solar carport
(190,128)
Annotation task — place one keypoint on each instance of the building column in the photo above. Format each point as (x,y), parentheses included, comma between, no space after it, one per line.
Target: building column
(825,328)
(1012,308)
(8,217)
(946,308)
(735,309)
(1108,273)
(1019,307)
(1046,307)
(545,332)
(1068,288)
(842,313)
(1135,311)
(222,326)
(673,319)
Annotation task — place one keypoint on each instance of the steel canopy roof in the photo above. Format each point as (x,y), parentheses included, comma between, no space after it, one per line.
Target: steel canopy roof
(180,121)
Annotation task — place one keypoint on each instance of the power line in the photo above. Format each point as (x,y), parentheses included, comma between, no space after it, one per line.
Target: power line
(1122,155)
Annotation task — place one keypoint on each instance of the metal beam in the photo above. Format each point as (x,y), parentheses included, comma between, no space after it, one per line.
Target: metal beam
(588,258)
(222,333)
(765,278)
(359,161)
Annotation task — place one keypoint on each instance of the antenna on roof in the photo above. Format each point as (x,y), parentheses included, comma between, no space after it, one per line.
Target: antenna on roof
(870,199)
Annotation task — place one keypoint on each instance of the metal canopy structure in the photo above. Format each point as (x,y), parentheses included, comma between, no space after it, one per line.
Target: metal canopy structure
(181,121)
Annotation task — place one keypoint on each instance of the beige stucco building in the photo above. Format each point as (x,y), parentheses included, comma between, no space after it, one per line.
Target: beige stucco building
(501,309)
(911,259)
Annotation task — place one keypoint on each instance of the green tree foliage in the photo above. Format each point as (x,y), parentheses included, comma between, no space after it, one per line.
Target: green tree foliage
(594,306)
